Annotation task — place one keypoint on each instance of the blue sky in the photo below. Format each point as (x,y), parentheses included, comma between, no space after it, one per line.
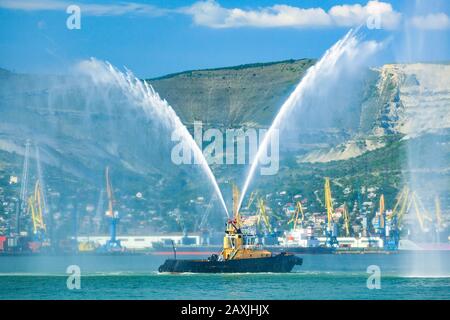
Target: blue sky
(154,38)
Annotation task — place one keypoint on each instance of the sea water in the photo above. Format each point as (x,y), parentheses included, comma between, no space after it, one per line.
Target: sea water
(135,277)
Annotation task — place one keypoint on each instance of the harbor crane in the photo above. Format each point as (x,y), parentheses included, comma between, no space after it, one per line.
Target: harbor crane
(437,208)
(380,218)
(439,225)
(262,215)
(392,221)
(331,240)
(113,243)
(401,206)
(23,188)
(346,220)
(294,219)
(386,225)
(270,236)
(422,214)
(36,208)
(263,228)
(40,177)
(406,200)
(251,199)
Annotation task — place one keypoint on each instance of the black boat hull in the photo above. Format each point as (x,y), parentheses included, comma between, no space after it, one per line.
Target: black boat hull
(280,263)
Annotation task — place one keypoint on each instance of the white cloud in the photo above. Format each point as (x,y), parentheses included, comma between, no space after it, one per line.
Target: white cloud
(121,9)
(211,14)
(30,5)
(433,21)
(353,15)
(86,8)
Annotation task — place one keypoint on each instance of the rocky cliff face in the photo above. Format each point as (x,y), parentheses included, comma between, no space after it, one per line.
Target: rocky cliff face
(413,99)
(400,99)
(397,99)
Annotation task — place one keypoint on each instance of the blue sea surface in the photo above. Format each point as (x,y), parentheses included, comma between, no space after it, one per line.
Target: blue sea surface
(135,277)
(298,285)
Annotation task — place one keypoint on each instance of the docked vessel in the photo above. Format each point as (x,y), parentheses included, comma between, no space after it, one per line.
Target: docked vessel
(239,254)
(302,240)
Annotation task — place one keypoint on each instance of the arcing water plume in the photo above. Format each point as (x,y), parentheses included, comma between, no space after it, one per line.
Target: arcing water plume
(425,100)
(142,94)
(350,48)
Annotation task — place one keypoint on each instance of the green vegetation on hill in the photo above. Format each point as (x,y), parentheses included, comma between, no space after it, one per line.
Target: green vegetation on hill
(247,95)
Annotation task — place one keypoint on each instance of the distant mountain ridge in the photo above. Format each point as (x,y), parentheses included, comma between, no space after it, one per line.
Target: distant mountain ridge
(250,96)
(399,101)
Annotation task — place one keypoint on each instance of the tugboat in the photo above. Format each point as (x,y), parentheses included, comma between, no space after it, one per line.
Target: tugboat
(240,254)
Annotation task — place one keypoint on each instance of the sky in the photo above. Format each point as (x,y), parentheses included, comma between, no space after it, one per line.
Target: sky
(154,38)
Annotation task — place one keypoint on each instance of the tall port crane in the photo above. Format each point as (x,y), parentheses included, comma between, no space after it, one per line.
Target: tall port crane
(113,243)
(36,207)
(346,220)
(437,208)
(379,223)
(298,210)
(331,240)
(23,187)
(265,213)
(262,215)
(386,225)
(422,214)
(439,226)
(392,222)
(251,199)
(401,206)
(40,177)
(405,200)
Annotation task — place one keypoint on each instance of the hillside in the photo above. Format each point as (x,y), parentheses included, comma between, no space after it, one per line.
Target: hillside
(79,134)
(247,95)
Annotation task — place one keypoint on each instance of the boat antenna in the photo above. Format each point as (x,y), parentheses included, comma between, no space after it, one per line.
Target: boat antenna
(174,250)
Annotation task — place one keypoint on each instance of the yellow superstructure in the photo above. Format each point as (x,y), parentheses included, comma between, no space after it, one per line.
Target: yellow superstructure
(236,244)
